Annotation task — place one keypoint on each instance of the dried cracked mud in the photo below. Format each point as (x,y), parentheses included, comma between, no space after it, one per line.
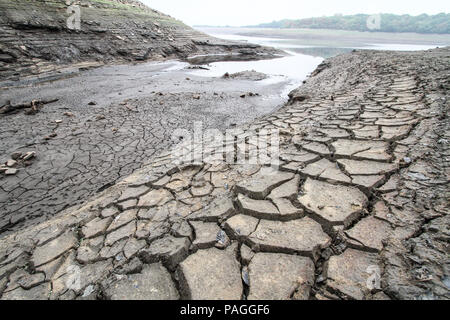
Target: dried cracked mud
(355,207)
(87,140)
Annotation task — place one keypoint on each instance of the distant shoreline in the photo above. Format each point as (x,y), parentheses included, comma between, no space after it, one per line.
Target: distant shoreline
(314,29)
(383,22)
(333,38)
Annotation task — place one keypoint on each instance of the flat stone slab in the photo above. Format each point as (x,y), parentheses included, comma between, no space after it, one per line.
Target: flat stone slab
(369,233)
(170,250)
(325,169)
(78,279)
(335,204)
(155,198)
(211,274)
(95,227)
(206,234)
(122,219)
(304,237)
(260,209)
(317,147)
(352,273)
(54,249)
(202,191)
(371,150)
(280,209)
(279,276)
(132,193)
(121,233)
(260,187)
(286,190)
(241,226)
(89,250)
(367,181)
(365,167)
(218,210)
(153,283)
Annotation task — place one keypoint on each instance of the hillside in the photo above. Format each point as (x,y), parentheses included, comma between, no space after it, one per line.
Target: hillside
(424,23)
(35,37)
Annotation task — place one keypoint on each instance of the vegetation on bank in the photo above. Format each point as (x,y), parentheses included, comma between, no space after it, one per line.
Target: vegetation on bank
(439,23)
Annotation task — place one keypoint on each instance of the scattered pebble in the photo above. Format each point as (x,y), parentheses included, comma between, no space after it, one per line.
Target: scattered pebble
(11,163)
(88,291)
(11,172)
(29,155)
(16,155)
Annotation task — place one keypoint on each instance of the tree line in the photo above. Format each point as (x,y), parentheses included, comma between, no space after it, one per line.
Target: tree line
(424,23)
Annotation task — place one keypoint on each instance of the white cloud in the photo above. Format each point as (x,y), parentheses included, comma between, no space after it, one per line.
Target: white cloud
(249,12)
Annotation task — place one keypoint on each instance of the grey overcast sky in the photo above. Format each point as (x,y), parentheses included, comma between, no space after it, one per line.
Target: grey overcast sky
(249,12)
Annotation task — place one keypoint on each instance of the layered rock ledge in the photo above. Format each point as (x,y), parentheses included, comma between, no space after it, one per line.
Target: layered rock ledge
(354,207)
(38,43)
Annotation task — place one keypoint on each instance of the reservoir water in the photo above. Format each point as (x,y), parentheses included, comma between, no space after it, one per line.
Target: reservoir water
(308,48)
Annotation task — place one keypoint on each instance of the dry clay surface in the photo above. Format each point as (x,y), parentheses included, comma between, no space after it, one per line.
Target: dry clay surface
(105,124)
(355,207)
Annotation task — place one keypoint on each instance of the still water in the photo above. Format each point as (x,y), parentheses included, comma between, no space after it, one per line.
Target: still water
(305,52)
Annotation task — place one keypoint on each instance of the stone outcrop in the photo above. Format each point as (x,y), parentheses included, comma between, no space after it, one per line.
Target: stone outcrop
(369,222)
(36,41)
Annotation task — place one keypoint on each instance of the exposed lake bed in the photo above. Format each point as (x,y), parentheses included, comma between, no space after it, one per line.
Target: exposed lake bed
(107,122)
(158,96)
(141,159)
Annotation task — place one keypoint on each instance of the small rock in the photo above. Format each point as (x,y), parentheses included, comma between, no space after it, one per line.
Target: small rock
(88,291)
(51,136)
(11,172)
(222,240)
(11,163)
(92,103)
(58,121)
(276,276)
(211,274)
(16,155)
(29,155)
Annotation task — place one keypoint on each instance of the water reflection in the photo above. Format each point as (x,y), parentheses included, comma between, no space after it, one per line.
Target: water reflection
(295,66)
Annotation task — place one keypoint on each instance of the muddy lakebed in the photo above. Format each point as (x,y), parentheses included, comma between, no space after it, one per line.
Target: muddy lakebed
(103,124)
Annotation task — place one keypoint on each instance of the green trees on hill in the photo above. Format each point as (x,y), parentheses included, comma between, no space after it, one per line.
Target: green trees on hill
(423,23)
